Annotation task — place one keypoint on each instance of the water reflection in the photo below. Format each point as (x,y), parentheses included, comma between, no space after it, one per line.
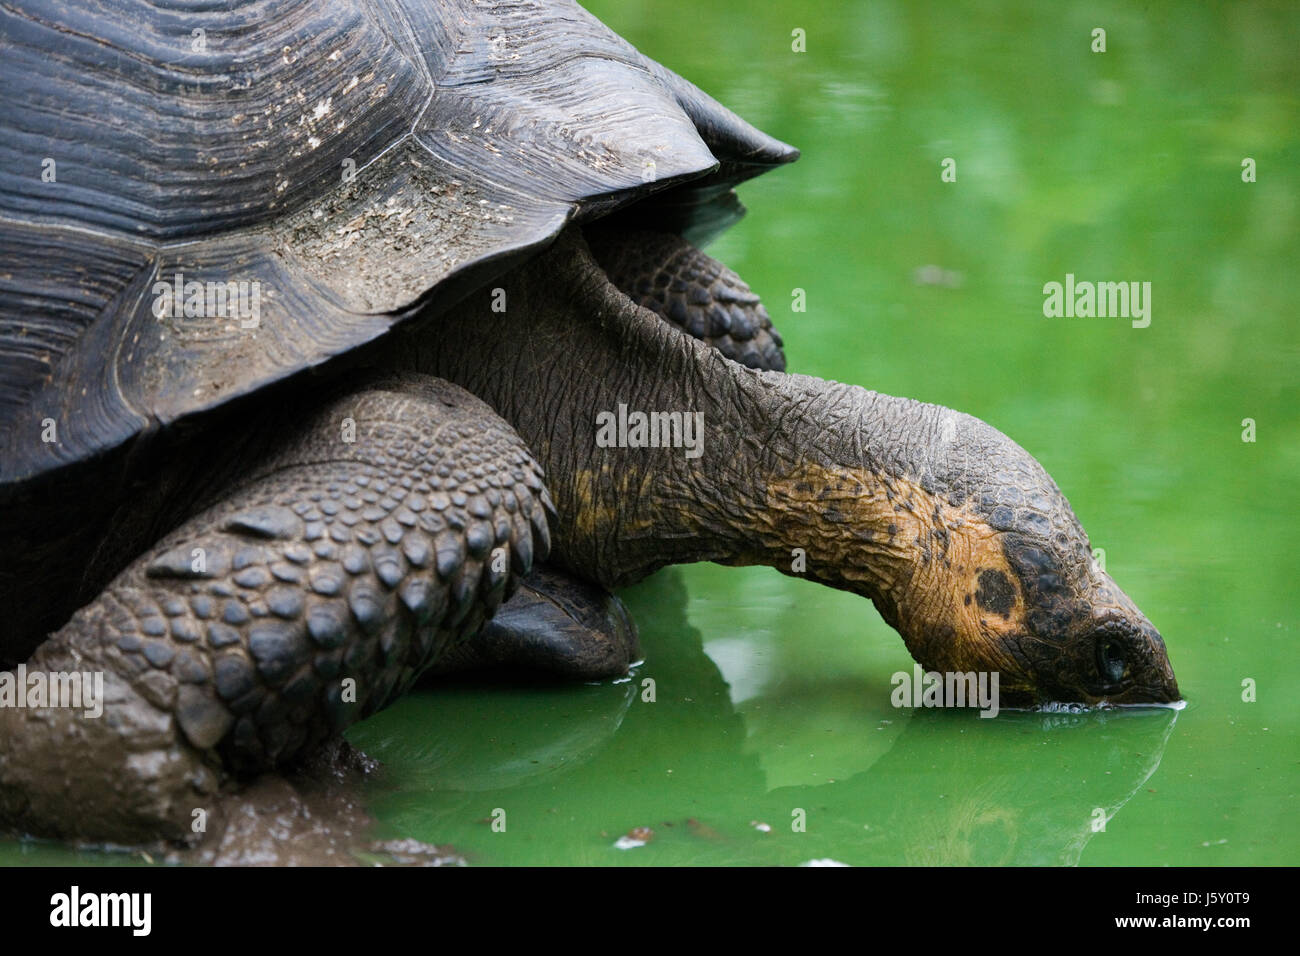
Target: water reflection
(576,768)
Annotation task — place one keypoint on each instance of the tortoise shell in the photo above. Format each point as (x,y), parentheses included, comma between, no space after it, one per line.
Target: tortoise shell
(198,202)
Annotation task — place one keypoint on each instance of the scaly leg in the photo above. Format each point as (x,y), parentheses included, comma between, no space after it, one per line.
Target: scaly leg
(666,274)
(383,529)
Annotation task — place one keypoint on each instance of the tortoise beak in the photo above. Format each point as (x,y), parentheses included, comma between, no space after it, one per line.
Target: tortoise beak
(1168,684)
(1163,687)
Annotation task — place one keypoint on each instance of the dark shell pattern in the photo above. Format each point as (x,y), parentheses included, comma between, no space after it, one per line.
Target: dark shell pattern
(304,173)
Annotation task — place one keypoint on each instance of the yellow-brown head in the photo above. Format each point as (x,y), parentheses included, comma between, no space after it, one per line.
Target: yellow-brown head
(969,549)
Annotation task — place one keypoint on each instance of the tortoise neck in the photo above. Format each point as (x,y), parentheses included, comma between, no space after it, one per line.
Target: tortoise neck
(659,451)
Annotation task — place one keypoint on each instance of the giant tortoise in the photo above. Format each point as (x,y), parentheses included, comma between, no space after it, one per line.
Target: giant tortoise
(324,323)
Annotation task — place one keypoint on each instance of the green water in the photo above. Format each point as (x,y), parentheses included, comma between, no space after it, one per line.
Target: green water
(772,694)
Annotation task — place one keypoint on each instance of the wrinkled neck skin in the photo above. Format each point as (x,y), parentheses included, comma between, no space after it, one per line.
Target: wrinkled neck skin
(919,508)
(570,347)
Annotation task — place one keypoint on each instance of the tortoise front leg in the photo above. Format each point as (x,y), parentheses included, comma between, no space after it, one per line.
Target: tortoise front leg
(388,527)
(668,275)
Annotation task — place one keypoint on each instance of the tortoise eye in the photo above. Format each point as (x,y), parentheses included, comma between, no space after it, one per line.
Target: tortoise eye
(1110,659)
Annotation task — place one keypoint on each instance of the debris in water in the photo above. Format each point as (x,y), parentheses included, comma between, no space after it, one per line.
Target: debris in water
(637,836)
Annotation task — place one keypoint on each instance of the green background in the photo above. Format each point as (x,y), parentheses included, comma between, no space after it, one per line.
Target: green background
(772,694)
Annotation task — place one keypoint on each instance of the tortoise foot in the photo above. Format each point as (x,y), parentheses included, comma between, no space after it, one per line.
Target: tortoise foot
(556,624)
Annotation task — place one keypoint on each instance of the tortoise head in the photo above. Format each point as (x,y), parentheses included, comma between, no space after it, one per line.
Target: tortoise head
(995,573)
(1046,618)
